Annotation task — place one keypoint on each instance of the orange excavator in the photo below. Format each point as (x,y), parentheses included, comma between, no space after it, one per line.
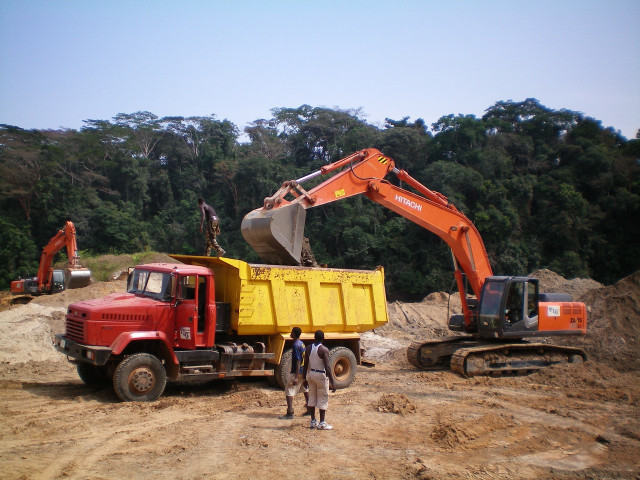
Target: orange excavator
(49,280)
(500,312)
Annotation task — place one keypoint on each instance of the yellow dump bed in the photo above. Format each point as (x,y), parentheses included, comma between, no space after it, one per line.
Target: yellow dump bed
(269,299)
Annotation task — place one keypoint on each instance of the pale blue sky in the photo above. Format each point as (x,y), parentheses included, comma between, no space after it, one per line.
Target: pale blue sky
(62,62)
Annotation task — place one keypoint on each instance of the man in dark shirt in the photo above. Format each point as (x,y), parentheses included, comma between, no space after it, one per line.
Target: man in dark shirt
(213,227)
(294,378)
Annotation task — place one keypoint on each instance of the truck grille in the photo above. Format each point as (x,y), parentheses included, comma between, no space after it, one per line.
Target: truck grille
(75,330)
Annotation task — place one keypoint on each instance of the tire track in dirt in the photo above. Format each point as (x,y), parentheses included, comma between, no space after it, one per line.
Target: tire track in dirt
(87,452)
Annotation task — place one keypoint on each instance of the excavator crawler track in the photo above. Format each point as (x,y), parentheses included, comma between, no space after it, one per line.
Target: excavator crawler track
(436,354)
(511,359)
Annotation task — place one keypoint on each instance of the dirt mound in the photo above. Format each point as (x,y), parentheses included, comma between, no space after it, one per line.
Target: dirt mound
(613,325)
(67,297)
(451,433)
(409,322)
(395,403)
(551,282)
(31,327)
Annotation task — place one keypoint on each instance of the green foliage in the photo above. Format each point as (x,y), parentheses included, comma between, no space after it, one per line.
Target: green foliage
(545,188)
(17,252)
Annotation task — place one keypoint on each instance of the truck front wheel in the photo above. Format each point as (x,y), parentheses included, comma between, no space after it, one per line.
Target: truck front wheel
(139,378)
(343,366)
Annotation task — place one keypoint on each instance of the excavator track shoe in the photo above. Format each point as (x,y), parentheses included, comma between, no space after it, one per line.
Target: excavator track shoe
(435,354)
(511,359)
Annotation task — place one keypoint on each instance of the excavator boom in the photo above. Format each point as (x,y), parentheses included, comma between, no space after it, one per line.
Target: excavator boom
(276,230)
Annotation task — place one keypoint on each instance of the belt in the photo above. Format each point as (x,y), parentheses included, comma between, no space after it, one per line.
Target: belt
(318,371)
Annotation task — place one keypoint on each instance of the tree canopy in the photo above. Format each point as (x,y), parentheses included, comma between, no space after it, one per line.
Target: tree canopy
(545,188)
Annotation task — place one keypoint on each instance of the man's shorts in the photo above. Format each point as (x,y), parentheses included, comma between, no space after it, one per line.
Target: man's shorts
(318,390)
(291,389)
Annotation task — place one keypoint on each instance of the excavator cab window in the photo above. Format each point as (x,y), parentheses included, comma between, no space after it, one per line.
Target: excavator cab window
(57,281)
(521,310)
(491,304)
(515,297)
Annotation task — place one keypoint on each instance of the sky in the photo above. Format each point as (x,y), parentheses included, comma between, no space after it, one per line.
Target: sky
(63,62)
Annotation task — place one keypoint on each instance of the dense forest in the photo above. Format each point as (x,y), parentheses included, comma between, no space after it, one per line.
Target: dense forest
(545,188)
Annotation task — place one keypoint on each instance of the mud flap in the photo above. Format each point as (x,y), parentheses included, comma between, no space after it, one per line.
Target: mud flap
(276,235)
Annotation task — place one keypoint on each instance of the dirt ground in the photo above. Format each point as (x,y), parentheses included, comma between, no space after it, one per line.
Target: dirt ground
(568,422)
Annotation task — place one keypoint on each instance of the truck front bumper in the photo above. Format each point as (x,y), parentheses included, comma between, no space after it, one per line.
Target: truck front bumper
(81,353)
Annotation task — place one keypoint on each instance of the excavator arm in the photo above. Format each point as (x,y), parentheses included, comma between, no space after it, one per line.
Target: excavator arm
(75,275)
(276,230)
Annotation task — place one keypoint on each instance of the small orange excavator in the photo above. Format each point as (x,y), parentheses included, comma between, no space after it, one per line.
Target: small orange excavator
(49,280)
(499,313)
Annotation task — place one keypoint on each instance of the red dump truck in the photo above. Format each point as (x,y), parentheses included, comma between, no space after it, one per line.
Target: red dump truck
(210,318)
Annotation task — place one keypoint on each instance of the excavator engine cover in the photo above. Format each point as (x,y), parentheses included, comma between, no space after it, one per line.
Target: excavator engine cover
(277,234)
(77,278)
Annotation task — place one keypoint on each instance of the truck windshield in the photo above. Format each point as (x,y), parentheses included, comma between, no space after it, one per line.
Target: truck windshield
(491,301)
(156,285)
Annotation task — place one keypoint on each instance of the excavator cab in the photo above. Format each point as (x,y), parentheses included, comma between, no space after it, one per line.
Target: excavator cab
(57,281)
(277,235)
(509,307)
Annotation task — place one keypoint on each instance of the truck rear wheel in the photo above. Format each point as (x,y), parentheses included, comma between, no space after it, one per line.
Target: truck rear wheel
(139,378)
(343,366)
(283,368)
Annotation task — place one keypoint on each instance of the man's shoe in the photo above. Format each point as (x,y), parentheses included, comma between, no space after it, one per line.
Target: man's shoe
(314,423)
(287,416)
(324,426)
(306,413)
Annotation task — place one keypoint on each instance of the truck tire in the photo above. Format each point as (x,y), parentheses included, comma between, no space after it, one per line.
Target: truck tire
(139,378)
(91,374)
(283,368)
(343,366)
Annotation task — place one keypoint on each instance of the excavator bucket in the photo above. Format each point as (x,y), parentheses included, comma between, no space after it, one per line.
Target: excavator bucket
(276,235)
(77,277)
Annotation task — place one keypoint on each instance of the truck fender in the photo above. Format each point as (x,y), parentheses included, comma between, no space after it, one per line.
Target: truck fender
(125,338)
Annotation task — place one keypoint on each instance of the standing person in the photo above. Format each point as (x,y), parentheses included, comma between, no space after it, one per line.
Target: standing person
(294,380)
(317,374)
(213,227)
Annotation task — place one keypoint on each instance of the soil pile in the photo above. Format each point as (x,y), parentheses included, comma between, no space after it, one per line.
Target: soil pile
(31,327)
(613,323)
(551,282)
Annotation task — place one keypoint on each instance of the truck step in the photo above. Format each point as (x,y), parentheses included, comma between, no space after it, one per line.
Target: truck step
(196,369)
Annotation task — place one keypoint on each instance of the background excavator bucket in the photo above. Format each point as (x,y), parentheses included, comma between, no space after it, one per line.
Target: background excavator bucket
(276,235)
(77,277)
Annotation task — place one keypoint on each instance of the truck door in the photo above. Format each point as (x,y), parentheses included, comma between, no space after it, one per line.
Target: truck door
(187,311)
